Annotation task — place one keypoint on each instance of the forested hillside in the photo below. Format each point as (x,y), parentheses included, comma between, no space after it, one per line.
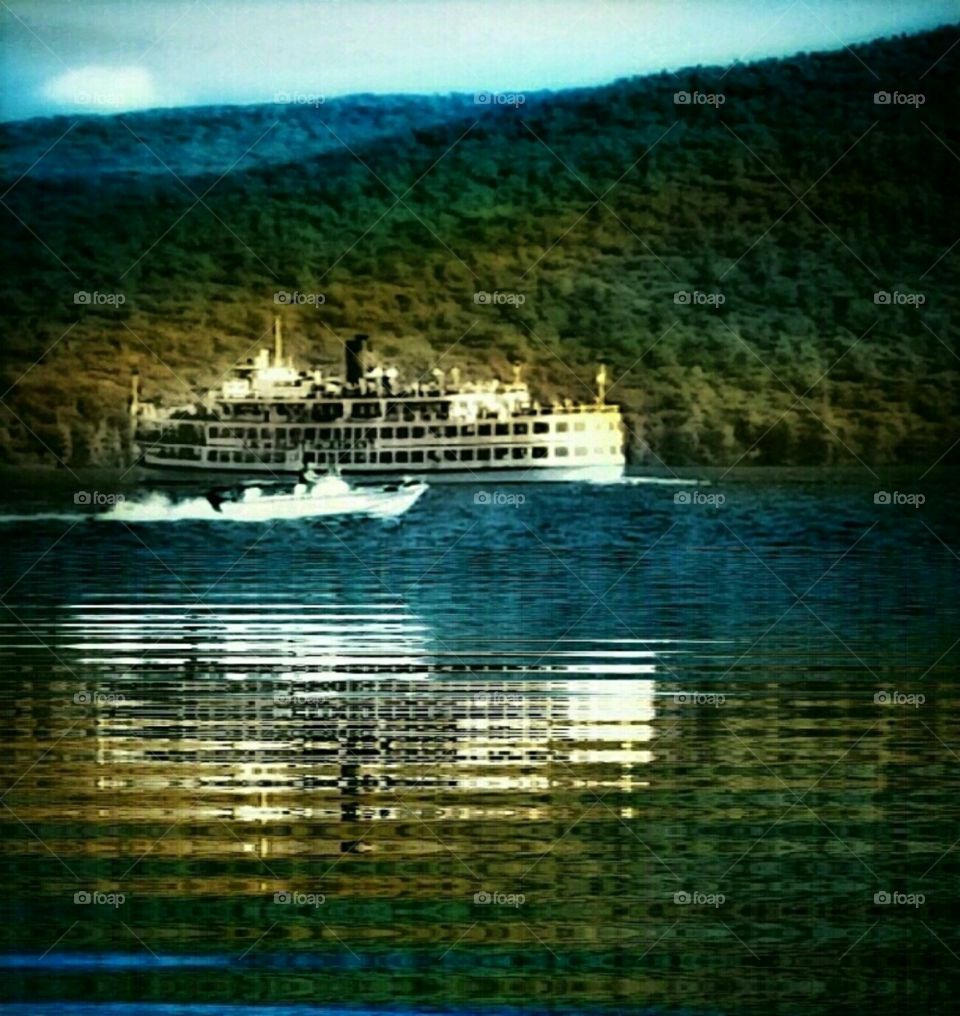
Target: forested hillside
(722,255)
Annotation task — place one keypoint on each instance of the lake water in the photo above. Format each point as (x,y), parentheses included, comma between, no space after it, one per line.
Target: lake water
(599,751)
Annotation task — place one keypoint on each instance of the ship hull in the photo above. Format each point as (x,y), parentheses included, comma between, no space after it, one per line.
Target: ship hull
(606,473)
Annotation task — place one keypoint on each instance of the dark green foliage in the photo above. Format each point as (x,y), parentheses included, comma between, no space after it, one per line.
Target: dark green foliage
(598,205)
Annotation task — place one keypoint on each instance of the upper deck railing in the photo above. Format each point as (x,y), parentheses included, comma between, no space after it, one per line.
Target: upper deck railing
(399,414)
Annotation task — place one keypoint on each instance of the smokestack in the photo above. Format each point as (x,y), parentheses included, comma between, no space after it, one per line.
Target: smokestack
(355,365)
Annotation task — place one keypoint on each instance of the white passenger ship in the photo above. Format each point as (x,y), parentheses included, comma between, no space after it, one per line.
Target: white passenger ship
(270,418)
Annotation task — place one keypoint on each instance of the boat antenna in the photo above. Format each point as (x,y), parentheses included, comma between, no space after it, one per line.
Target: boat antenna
(601,384)
(277,342)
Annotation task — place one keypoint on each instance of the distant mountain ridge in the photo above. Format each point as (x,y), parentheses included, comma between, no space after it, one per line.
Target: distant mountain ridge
(768,269)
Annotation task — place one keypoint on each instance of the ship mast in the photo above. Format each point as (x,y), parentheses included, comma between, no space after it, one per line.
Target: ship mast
(601,384)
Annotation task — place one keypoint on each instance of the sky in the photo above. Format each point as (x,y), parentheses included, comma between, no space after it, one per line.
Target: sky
(107,56)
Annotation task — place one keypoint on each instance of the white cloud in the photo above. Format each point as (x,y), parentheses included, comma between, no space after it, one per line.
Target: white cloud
(109,89)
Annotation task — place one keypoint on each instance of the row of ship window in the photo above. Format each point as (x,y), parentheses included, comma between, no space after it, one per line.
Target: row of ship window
(402,457)
(371,433)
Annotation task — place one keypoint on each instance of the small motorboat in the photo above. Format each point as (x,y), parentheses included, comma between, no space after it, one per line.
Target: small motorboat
(313,496)
(316,496)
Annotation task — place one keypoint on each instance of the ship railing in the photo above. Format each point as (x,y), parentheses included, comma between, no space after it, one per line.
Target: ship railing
(582,407)
(306,418)
(577,407)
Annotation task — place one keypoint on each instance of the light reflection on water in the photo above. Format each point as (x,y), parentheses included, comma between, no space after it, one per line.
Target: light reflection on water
(244,711)
(497,746)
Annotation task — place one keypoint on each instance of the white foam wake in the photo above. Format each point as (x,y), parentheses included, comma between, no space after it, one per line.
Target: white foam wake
(156,507)
(46,517)
(666,481)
